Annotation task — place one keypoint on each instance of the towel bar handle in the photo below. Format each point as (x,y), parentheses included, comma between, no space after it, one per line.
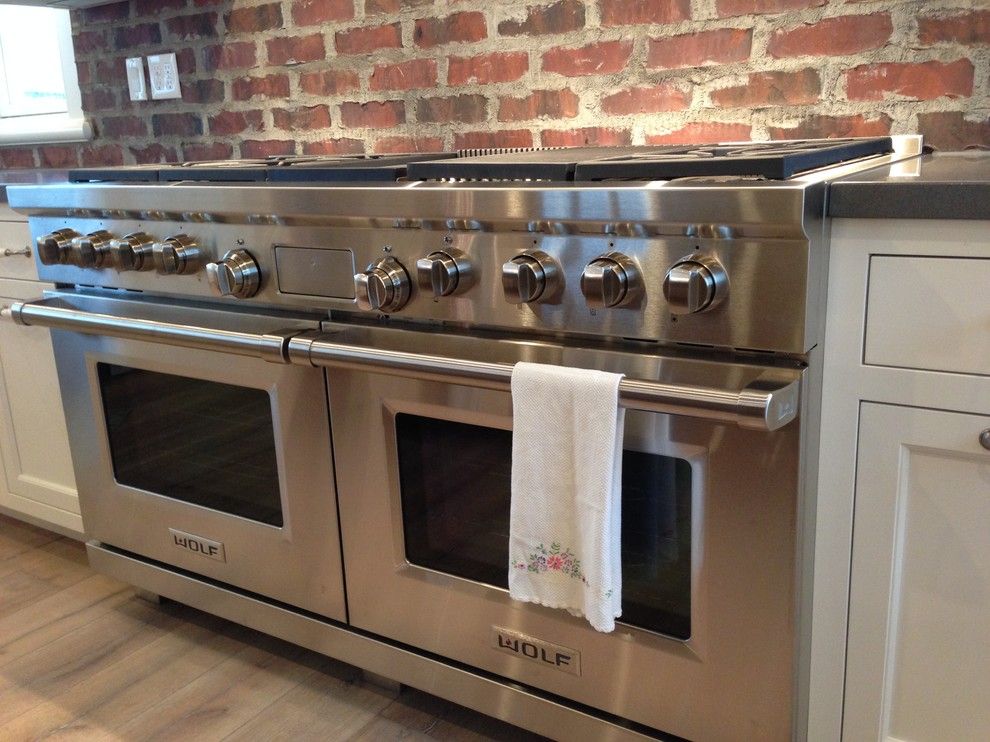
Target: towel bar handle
(767,403)
(268,346)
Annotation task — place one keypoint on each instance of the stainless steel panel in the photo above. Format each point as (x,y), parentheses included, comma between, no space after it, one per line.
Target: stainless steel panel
(315,271)
(766,306)
(298,563)
(764,208)
(508,701)
(737,669)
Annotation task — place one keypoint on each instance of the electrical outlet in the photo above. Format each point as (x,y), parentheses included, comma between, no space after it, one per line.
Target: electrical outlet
(135,78)
(164,75)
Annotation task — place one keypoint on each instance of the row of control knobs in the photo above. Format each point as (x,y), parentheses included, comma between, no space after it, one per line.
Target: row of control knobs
(693,284)
(234,274)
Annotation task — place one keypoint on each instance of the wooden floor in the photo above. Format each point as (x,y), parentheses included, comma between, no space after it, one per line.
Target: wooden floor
(83,658)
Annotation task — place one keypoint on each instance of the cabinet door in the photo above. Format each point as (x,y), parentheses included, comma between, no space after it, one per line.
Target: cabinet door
(919,614)
(33,438)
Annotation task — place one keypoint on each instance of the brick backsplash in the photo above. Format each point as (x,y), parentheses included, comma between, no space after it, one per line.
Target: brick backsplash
(346,76)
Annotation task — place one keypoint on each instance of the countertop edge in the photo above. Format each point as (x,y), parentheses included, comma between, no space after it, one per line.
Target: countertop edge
(923,200)
(939,185)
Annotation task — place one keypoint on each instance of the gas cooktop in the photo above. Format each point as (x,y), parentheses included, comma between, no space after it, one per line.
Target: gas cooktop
(769,160)
(762,160)
(280,169)
(696,245)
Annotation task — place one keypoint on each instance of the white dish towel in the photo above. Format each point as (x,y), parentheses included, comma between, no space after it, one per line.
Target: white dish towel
(566,485)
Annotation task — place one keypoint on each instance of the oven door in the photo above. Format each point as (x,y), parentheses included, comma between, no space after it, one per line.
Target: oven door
(705,647)
(215,461)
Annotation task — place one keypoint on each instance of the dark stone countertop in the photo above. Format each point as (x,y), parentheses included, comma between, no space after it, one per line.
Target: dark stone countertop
(28,177)
(943,185)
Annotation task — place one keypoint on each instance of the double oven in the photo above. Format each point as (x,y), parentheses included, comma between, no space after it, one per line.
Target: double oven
(343,479)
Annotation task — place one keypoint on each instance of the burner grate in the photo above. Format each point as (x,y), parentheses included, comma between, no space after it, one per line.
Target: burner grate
(282,169)
(768,160)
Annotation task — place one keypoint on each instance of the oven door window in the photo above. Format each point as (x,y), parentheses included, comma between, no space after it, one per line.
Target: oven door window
(455,489)
(200,442)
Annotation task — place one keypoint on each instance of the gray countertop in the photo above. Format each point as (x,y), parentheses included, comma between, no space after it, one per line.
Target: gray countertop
(29,177)
(949,185)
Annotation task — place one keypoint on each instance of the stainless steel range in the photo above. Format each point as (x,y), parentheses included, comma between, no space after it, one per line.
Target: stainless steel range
(287,393)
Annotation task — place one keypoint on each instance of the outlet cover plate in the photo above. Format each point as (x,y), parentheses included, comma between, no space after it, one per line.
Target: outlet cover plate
(135,78)
(164,75)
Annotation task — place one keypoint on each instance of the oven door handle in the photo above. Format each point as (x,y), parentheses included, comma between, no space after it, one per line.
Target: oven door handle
(272,347)
(767,403)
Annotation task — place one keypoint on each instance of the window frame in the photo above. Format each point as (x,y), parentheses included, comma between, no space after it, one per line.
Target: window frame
(44,128)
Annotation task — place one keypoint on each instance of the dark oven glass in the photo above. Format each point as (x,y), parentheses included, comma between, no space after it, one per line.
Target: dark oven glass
(455,482)
(198,441)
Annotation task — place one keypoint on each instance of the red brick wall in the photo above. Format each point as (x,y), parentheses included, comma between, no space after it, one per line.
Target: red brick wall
(319,76)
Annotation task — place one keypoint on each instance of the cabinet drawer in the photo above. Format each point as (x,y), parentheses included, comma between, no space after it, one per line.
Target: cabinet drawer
(7,214)
(16,236)
(929,313)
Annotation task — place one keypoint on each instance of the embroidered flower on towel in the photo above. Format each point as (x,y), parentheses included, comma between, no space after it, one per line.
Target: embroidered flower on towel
(553,559)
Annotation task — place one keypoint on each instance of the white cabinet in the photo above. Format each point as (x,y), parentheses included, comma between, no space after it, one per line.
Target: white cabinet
(16,259)
(918,652)
(37,483)
(902,538)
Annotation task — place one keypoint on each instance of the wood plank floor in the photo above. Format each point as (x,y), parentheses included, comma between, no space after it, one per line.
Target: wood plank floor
(83,658)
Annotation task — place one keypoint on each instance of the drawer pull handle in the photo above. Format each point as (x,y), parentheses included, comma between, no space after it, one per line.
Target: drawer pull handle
(25,251)
(985,439)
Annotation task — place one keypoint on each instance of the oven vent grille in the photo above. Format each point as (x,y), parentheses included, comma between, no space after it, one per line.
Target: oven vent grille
(487,151)
(493,152)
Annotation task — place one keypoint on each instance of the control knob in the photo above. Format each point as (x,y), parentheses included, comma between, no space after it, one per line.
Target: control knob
(54,248)
(91,250)
(177,255)
(444,272)
(132,252)
(235,274)
(696,283)
(531,277)
(383,287)
(612,280)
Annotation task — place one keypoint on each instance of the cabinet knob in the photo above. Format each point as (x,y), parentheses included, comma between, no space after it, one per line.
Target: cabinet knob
(985,439)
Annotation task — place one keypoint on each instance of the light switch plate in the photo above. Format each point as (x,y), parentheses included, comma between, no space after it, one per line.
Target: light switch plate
(135,78)
(164,76)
